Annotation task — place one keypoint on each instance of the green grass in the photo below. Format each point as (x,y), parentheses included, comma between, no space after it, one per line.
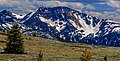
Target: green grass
(58,51)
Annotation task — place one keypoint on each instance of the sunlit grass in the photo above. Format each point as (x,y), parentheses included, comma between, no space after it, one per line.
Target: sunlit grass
(58,51)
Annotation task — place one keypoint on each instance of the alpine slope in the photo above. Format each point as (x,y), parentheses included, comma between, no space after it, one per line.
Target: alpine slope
(65,24)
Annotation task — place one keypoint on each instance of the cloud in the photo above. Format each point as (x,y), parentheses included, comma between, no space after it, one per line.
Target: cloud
(118,10)
(1,1)
(29,5)
(105,15)
(15,4)
(91,7)
(114,3)
(93,13)
(26,6)
(74,5)
(84,1)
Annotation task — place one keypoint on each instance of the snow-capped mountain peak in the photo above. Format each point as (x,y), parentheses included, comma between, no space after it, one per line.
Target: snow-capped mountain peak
(66,24)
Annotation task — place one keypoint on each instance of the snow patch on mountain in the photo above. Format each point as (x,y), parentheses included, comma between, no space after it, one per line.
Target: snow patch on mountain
(59,25)
(80,24)
(18,16)
(28,16)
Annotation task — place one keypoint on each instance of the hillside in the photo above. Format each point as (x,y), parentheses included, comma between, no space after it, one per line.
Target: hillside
(58,51)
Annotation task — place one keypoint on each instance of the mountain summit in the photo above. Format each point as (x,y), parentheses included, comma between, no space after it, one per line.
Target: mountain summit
(68,25)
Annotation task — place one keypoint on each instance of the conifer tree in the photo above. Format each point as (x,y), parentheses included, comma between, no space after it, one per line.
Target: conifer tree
(14,40)
(34,35)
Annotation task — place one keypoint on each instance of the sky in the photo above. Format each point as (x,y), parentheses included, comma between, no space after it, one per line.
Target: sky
(105,9)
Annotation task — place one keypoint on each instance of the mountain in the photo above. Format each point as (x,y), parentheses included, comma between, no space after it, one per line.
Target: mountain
(68,25)
(7,18)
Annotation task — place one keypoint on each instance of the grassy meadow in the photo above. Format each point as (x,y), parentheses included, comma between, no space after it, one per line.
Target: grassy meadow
(58,51)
